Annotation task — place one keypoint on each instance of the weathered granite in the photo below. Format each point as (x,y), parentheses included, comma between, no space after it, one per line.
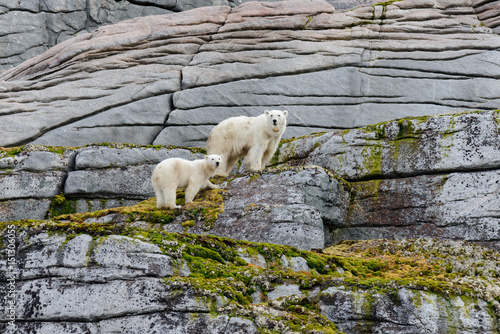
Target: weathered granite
(288,207)
(87,282)
(429,176)
(330,69)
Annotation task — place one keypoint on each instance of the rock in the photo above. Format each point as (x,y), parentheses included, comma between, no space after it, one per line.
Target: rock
(285,290)
(402,312)
(431,176)
(254,259)
(97,281)
(40,181)
(406,147)
(294,264)
(288,207)
(330,69)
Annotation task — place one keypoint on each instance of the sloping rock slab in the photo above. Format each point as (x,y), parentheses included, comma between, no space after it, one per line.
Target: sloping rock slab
(433,176)
(288,207)
(168,79)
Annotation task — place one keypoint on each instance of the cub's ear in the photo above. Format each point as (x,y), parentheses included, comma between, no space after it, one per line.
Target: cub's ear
(221,156)
(206,157)
(266,112)
(285,112)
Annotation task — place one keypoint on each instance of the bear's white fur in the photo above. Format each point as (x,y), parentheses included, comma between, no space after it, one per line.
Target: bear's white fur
(255,138)
(174,173)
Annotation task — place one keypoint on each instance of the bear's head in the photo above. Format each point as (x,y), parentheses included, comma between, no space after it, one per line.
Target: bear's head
(213,160)
(276,119)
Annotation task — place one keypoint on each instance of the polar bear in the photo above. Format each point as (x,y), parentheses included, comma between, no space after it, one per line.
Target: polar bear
(255,138)
(174,173)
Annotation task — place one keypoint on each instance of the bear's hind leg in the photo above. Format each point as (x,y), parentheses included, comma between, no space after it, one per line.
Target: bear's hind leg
(160,199)
(230,164)
(170,197)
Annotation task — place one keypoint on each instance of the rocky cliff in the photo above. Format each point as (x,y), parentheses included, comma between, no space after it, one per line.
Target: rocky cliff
(373,225)
(435,176)
(167,79)
(31,27)
(114,278)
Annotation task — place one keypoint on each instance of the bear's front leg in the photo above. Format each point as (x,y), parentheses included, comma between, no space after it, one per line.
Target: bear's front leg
(253,160)
(271,149)
(191,191)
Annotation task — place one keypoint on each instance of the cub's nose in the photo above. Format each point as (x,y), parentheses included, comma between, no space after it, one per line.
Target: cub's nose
(217,164)
(274,122)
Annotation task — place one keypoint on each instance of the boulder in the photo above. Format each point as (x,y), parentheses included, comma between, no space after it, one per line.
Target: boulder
(287,207)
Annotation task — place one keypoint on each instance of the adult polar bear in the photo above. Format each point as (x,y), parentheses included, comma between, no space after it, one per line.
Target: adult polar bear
(255,138)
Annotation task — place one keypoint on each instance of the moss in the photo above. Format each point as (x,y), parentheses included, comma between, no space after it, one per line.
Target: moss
(386,3)
(61,206)
(376,266)
(372,161)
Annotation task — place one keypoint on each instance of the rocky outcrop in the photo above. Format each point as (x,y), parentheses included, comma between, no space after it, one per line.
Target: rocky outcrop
(433,176)
(168,79)
(107,278)
(30,27)
(38,182)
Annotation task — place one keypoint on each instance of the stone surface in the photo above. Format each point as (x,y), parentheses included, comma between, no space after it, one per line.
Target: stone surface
(407,311)
(289,207)
(89,178)
(429,176)
(331,69)
(86,282)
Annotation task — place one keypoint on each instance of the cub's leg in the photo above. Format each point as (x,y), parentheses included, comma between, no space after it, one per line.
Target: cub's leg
(160,199)
(191,191)
(170,196)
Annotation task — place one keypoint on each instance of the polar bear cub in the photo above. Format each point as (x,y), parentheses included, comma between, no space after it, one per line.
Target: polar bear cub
(255,138)
(174,173)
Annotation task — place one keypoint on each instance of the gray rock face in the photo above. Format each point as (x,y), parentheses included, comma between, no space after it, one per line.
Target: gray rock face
(407,311)
(168,79)
(30,27)
(91,178)
(124,284)
(413,177)
(287,207)
(113,284)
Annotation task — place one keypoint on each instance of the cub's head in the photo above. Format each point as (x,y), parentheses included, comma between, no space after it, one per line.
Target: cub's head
(276,119)
(213,160)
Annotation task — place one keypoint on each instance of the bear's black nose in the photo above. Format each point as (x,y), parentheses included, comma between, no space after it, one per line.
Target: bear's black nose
(274,121)
(217,164)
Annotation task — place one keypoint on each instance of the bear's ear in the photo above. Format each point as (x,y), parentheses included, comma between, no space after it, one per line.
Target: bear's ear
(266,112)
(221,156)
(285,112)
(206,157)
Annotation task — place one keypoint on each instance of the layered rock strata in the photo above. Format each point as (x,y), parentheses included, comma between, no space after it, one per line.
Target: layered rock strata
(98,278)
(168,79)
(434,176)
